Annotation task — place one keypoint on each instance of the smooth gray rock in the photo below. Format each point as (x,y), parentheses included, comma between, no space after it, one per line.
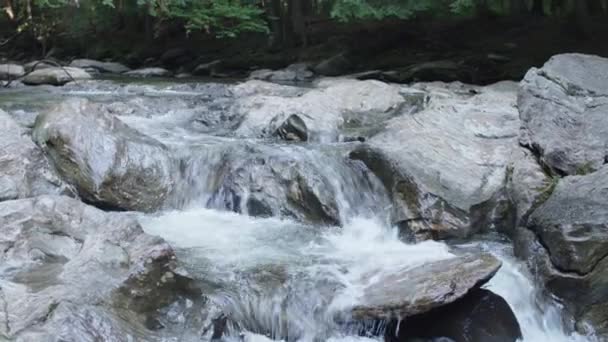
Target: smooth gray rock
(149,72)
(108,163)
(103,67)
(566,243)
(38,65)
(24,170)
(564,112)
(423,288)
(324,109)
(55,76)
(293,73)
(11,71)
(442,161)
(65,267)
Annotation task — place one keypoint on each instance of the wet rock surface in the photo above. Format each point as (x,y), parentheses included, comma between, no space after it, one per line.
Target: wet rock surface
(563,108)
(24,170)
(569,239)
(106,161)
(480,316)
(441,161)
(66,266)
(421,289)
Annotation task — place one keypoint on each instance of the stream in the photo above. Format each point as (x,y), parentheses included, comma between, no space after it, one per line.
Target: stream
(275,275)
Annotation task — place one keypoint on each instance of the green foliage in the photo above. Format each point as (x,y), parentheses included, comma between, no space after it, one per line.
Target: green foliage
(345,10)
(224,18)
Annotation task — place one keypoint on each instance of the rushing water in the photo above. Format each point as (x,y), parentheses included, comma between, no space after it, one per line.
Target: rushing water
(279,279)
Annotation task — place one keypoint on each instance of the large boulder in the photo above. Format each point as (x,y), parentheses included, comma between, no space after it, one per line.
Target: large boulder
(564,112)
(287,181)
(108,163)
(35,65)
(326,109)
(415,291)
(10,71)
(24,170)
(55,76)
(149,72)
(103,67)
(566,242)
(68,268)
(443,163)
(480,316)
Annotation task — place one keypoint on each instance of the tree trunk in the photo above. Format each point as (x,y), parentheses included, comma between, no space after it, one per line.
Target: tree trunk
(9,9)
(538,8)
(518,7)
(275,10)
(298,20)
(595,7)
(583,18)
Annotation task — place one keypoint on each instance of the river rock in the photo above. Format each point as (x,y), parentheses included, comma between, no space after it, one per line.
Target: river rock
(103,67)
(293,73)
(293,129)
(208,69)
(480,316)
(286,182)
(149,72)
(572,228)
(444,161)
(67,266)
(563,108)
(108,163)
(35,65)
(10,72)
(55,76)
(325,109)
(24,170)
(418,290)
(334,66)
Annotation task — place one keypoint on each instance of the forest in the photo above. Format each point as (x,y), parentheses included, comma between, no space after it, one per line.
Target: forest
(135,30)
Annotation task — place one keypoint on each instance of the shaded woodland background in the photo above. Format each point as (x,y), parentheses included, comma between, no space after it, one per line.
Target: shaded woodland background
(487,39)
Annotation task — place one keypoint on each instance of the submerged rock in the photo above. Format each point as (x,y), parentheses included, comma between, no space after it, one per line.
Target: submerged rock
(149,72)
(480,316)
(293,129)
(441,163)
(570,231)
(67,268)
(563,108)
(107,162)
(419,290)
(10,72)
(103,67)
(24,170)
(55,76)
